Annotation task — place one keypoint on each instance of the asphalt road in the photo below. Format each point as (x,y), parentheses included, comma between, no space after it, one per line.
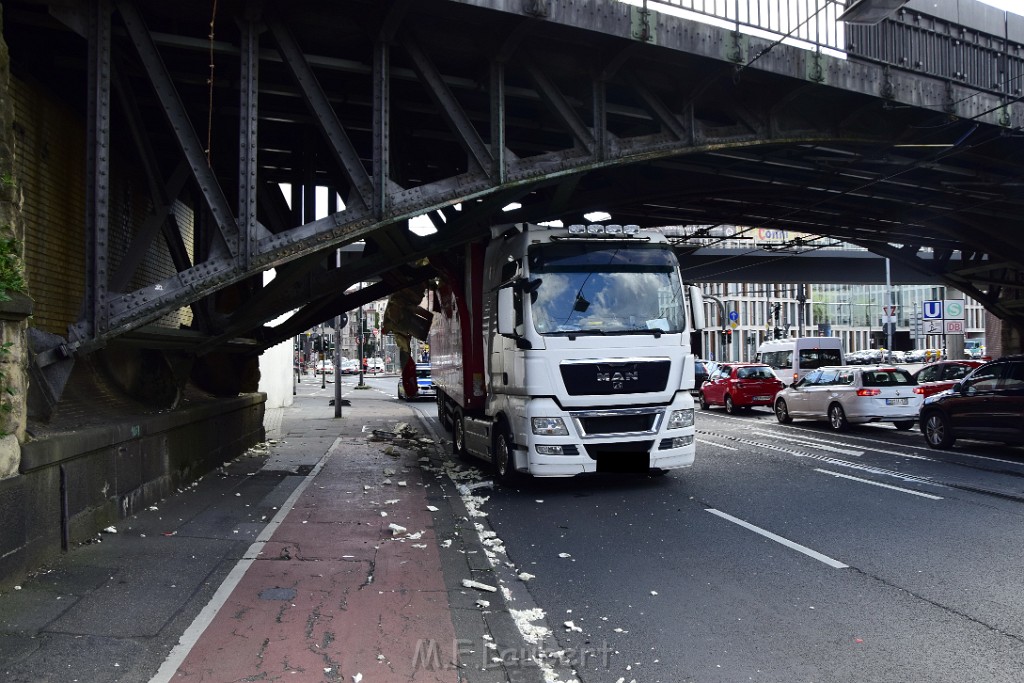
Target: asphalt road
(787,553)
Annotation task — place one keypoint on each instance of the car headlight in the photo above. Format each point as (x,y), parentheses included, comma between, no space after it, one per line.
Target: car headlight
(549,426)
(680,418)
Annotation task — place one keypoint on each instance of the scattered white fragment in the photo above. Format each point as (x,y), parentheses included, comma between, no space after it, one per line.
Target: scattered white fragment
(466,488)
(153,507)
(388,472)
(401,483)
(380,658)
(564,555)
(397,529)
(393,501)
(386,482)
(238,495)
(17,588)
(367,487)
(383,514)
(110,530)
(357,678)
(539,501)
(327,669)
(416,536)
(654,592)
(446,543)
(619,630)
(470,583)
(569,626)
(483,604)
(419,545)
(526,576)
(431,508)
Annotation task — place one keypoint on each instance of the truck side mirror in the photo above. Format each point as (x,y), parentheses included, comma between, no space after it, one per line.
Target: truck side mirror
(506,312)
(697,307)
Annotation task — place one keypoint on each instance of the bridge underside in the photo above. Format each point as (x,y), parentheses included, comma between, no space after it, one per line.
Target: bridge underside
(456,109)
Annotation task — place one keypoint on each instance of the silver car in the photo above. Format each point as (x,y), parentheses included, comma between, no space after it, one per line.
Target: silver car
(846,395)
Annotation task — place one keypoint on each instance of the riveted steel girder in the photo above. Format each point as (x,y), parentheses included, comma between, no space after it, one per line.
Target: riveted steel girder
(454,109)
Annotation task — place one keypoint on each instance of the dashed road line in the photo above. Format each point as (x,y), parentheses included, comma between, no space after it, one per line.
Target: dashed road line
(878,483)
(835,564)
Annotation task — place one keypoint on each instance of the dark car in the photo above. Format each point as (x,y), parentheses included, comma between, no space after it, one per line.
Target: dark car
(702,369)
(740,385)
(986,405)
(943,374)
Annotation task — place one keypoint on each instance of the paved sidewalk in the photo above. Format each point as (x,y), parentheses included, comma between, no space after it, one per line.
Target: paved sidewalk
(331,555)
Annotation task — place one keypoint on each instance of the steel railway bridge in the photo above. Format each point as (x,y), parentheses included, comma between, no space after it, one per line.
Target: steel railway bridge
(207,129)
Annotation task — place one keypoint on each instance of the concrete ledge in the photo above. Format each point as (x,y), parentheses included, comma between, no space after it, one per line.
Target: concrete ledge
(73,484)
(56,448)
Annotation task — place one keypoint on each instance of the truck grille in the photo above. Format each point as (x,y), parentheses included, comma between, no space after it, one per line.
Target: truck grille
(622,377)
(631,421)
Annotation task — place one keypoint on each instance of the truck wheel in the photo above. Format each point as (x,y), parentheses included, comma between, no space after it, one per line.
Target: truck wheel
(442,415)
(504,468)
(458,435)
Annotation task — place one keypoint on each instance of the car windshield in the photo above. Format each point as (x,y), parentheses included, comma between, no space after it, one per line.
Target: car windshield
(600,288)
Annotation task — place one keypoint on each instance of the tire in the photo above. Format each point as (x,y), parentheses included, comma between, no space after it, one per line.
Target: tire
(904,425)
(442,415)
(401,392)
(504,470)
(730,407)
(459,436)
(837,418)
(782,412)
(704,405)
(938,433)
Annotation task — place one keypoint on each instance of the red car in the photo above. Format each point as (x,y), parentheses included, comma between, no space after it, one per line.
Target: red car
(740,385)
(941,375)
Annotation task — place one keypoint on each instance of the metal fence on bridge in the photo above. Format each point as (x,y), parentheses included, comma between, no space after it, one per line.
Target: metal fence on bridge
(966,42)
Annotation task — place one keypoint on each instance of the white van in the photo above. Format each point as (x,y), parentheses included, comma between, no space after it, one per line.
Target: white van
(793,358)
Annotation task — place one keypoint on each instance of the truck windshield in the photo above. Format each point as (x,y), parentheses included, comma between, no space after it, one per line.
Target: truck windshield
(601,288)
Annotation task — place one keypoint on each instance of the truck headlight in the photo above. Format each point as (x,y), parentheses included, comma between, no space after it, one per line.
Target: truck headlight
(680,418)
(552,426)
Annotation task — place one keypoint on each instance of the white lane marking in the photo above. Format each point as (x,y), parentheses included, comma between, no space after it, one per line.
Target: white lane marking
(876,483)
(813,443)
(837,462)
(203,620)
(835,564)
(717,445)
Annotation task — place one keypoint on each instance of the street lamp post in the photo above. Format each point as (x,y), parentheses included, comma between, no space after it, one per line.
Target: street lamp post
(323,358)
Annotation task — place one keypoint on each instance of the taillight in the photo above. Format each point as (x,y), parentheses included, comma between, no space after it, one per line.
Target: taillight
(868,392)
(919,390)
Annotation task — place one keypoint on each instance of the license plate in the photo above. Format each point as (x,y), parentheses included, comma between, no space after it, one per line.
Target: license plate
(762,398)
(895,401)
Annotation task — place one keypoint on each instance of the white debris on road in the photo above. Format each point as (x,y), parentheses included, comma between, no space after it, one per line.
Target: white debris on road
(470,583)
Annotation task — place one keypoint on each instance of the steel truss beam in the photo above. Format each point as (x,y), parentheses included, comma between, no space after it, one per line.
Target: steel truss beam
(415,108)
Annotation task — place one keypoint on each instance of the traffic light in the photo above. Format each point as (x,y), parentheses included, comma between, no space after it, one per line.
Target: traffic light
(728,336)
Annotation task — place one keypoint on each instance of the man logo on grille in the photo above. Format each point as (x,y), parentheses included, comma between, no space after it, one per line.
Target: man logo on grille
(618,379)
